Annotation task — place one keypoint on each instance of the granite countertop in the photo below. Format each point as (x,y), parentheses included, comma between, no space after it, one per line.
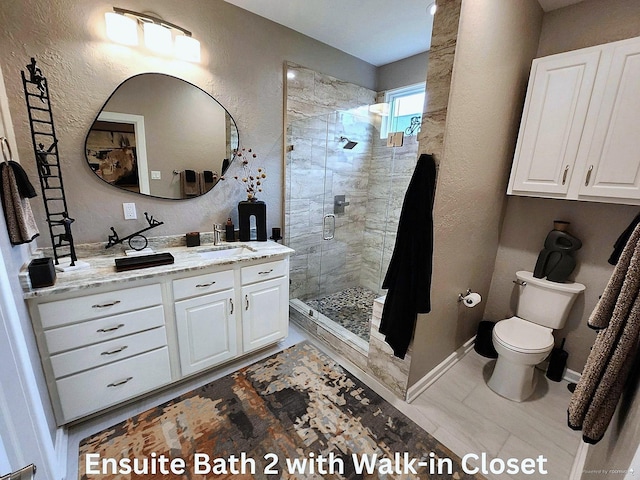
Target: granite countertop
(102,269)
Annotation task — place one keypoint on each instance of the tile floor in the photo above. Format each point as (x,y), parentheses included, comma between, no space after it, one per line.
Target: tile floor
(458,409)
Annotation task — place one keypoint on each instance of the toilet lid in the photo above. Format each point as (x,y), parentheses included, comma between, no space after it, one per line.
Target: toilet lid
(522,336)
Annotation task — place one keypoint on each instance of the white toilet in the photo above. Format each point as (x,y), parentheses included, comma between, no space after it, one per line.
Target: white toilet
(525,340)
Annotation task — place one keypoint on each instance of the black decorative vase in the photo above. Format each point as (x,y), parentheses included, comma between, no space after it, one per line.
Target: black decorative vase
(248,209)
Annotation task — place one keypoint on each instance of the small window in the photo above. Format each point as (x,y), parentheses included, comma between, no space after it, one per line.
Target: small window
(405,110)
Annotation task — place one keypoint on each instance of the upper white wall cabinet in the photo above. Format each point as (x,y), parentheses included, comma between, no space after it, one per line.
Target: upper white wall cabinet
(579,137)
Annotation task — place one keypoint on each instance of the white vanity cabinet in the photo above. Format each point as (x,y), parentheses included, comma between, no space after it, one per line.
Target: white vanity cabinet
(106,342)
(206,323)
(265,304)
(101,349)
(578,137)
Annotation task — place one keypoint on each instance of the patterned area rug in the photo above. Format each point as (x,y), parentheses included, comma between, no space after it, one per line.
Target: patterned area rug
(297,414)
(350,308)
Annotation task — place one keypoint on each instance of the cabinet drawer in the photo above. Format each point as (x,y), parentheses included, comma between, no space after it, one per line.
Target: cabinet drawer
(95,331)
(101,387)
(263,271)
(73,310)
(106,352)
(208,283)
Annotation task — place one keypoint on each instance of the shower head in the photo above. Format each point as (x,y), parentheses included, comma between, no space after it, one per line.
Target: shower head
(349,145)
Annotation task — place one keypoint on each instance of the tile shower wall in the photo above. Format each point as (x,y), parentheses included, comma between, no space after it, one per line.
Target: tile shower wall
(389,176)
(320,110)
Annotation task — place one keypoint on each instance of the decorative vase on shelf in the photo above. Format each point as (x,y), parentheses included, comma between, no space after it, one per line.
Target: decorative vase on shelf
(252,207)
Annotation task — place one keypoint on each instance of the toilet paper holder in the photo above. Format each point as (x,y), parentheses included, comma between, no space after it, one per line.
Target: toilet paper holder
(469,299)
(462,295)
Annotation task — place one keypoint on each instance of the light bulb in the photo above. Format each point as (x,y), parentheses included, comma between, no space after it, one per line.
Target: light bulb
(121,29)
(157,38)
(187,48)
(433,9)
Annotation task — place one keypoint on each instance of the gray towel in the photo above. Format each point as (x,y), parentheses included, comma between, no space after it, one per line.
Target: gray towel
(17,210)
(617,319)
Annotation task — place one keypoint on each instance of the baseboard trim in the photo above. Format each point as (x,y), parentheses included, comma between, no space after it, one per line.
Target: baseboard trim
(571,376)
(415,390)
(578,462)
(61,448)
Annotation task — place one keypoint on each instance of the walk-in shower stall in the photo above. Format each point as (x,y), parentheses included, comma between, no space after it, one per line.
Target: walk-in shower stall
(344,194)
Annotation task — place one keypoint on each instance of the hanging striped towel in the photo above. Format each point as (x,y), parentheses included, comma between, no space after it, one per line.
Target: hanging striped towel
(189,183)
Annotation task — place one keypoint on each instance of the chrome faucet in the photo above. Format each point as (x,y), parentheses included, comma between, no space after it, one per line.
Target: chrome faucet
(218,229)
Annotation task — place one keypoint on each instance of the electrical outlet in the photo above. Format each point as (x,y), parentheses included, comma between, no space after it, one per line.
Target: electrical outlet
(129,211)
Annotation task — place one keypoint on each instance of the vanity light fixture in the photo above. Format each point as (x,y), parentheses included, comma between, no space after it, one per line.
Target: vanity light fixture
(122,27)
(432,9)
(157,38)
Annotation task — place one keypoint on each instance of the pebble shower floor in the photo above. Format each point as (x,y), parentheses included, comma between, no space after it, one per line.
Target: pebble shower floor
(350,308)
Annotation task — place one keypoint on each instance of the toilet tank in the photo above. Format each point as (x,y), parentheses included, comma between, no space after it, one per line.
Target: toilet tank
(543,302)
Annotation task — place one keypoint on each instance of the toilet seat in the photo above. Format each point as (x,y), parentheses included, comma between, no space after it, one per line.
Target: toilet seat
(522,336)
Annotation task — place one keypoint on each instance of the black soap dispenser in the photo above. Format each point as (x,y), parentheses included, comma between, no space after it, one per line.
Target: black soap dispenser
(230,233)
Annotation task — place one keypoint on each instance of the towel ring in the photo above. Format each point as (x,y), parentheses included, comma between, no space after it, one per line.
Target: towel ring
(5,142)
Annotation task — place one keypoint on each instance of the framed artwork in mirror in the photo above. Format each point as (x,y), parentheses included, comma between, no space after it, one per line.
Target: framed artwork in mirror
(113,153)
(161,136)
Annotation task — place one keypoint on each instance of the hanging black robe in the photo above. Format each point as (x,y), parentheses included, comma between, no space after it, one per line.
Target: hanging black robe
(408,278)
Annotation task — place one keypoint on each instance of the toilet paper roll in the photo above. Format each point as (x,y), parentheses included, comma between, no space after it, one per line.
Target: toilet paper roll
(472,299)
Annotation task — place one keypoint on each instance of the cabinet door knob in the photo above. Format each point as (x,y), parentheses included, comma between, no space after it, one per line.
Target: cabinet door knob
(204,285)
(267,272)
(231,303)
(246,299)
(564,175)
(586,182)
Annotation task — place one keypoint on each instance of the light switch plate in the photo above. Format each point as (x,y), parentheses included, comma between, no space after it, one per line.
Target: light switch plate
(156,175)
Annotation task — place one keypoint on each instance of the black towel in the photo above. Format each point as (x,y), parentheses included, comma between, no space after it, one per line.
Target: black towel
(408,278)
(622,241)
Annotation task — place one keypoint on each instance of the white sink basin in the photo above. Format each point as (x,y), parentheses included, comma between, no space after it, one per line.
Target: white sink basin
(225,253)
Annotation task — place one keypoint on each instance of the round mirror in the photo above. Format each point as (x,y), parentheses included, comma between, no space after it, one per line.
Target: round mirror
(161,136)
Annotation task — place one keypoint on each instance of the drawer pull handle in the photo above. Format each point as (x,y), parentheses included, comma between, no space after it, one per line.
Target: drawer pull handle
(204,285)
(265,273)
(111,329)
(231,303)
(121,382)
(113,352)
(564,175)
(246,299)
(586,182)
(105,305)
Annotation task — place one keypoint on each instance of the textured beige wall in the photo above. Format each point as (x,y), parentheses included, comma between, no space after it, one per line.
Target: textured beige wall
(497,40)
(67,38)
(528,220)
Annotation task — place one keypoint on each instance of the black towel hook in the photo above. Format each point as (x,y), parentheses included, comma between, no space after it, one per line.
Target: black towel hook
(5,142)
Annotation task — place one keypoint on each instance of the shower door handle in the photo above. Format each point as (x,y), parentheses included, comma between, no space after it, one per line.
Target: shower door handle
(328,227)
